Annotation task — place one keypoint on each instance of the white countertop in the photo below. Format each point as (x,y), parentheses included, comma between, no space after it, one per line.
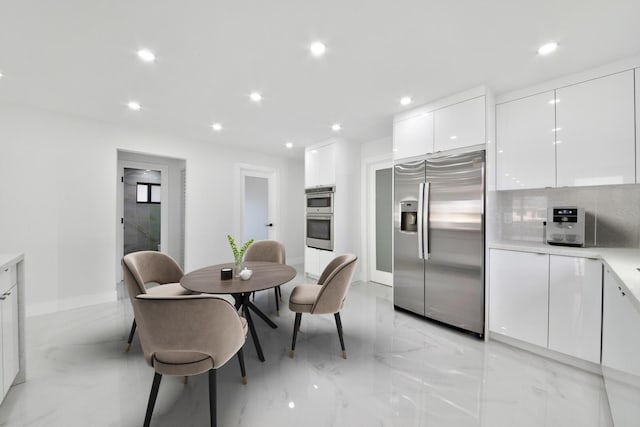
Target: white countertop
(8,259)
(622,262)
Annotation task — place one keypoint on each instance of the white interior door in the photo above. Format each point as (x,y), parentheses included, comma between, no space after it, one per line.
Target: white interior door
(257,202)
(256,208)
(380,222)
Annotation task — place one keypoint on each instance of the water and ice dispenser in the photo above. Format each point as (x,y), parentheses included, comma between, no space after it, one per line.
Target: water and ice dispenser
(409,216)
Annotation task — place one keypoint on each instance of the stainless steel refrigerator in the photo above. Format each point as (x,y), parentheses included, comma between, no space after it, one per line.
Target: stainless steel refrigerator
(438,243)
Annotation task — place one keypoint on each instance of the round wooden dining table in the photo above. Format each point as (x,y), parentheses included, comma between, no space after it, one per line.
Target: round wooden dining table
(265,275)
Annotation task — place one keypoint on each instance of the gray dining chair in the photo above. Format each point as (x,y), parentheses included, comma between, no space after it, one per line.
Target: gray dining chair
(325,297)
(188,335)
(153,273)
(269,251)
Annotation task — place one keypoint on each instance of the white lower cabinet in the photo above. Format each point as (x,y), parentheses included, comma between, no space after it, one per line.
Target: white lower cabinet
(311,261)
(315,260)
(519,295)
(10,346)
(620,328)
(621,352)
(550,301)
(9,340)
(575,306)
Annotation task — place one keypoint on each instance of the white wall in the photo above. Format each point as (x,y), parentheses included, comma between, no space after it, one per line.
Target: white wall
(58,178)
(376,148)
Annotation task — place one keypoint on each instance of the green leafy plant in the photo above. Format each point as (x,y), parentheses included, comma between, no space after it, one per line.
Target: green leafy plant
(238,254)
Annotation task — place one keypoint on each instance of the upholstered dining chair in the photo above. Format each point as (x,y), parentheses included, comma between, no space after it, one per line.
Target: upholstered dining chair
(188,335)
(325,297)
(144,269)
(270,251)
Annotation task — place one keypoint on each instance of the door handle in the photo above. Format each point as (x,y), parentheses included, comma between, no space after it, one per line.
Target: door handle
(426,219)
(269,225)
(420,212)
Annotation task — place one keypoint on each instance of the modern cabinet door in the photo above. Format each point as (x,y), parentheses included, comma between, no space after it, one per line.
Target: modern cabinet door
(620,328)
(320,166)
(10,355)
(519,295)
(525,143)
(460,125)
(595,140)
(312,261)
(621,352)
(413,136)
(575,306)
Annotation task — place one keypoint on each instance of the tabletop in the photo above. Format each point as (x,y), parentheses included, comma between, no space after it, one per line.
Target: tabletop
(265,275)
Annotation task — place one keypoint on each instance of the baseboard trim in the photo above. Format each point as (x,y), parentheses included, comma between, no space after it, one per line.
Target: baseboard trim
(549,354)
(39,309)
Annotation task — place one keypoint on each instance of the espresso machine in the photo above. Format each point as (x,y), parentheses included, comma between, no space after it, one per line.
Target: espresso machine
(565,226)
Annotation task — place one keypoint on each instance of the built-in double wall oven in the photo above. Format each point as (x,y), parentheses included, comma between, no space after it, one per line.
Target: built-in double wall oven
(320,217)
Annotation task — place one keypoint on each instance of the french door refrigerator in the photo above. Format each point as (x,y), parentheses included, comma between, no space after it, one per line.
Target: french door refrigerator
(438,243)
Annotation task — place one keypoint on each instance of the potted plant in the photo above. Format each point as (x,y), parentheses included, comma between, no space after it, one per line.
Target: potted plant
(238,254)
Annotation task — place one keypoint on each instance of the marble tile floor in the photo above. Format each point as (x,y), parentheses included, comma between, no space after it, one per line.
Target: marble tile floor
(401,371)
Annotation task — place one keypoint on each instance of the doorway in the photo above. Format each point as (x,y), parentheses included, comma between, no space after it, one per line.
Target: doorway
(142,210)
(257,200)
(380,222)
(149,216)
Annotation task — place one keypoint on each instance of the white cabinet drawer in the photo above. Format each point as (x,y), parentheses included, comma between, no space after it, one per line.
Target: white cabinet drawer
(8,277)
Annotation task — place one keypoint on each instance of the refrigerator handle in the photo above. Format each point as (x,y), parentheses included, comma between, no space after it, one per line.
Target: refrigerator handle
(426,226)
(420,211)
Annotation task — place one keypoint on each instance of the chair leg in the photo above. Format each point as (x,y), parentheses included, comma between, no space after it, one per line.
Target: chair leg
(296,326)
(339,325)
(275,290)
(242,370)
(212,397)
(133,330)
(152,398)
(279,292)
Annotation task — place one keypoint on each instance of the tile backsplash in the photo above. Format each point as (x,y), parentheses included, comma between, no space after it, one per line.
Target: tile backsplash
(612,213)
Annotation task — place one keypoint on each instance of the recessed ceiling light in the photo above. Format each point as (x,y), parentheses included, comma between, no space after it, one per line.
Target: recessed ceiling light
(336,127)
(317,48)
(314,151)
(500,151)
(547,48)
(292,405)
(255,96)
(289,145)
(1,75)
(133,105)
(406,100)
(453,137)
(146,55)
(556,129)
(554,101)
(217,127)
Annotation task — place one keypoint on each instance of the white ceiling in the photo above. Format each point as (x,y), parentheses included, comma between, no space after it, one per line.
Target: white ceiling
(79,57)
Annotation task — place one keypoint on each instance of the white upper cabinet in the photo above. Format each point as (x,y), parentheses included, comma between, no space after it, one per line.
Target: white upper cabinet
(575,306)
(320,166)
(413,135)
(525,143)
(519,295)
(460,125)
(595,137)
